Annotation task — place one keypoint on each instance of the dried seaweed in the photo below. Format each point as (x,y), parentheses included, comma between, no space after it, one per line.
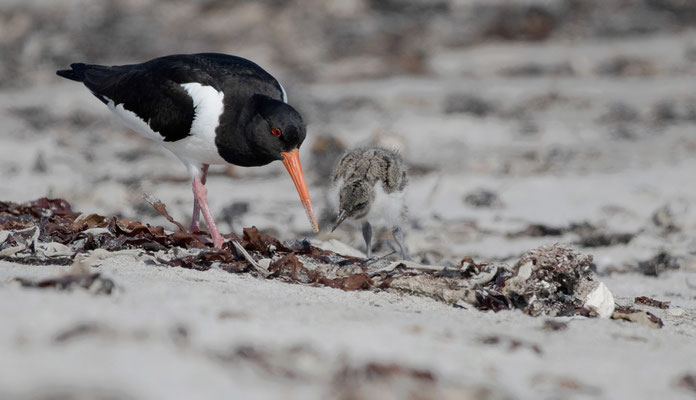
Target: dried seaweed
(553,285)
(651,302)
(162,209)
(549,281)
(628,313)
(88,221)
(290,269)
(351,282)
(255,241)
(489,299)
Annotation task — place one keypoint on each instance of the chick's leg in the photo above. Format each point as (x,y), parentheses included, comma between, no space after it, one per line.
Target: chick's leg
(367,235)
(399,238)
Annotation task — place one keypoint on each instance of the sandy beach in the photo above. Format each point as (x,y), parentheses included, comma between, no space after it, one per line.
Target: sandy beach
(523,124)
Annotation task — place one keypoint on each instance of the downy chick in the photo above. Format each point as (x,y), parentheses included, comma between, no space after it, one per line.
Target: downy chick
(370,184)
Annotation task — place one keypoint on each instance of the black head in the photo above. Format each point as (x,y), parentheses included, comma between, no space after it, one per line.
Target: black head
(275,131)
(274,128)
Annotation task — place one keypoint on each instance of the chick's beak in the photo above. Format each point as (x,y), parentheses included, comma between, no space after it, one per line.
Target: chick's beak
(341,217)
(291,160)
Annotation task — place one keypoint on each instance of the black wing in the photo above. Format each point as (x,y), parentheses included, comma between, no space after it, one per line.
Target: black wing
(148,93)
(236,76)
(153,91)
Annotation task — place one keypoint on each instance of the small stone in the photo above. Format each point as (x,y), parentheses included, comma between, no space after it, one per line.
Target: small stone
(264,263)
(339,247)
(483,198)
(601,301)
(525,271)
(676,312)
(468,104)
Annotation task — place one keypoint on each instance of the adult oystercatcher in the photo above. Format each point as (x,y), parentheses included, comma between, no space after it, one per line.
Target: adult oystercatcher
(370,184)
(206,109)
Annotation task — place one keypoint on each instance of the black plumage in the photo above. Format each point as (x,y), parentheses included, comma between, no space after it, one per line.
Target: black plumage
(153,91)
(206,108)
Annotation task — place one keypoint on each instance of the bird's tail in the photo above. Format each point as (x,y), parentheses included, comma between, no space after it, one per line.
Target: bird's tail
(89,72)
(77,73)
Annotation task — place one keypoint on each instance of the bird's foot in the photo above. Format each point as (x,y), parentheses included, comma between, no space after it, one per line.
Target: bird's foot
(218,241)
(373,259)
(195,227)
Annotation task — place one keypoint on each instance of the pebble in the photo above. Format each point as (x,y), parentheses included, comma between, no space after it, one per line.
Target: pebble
(601,301)
(676,312)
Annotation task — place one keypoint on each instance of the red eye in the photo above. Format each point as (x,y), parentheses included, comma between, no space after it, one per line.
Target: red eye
(276,132)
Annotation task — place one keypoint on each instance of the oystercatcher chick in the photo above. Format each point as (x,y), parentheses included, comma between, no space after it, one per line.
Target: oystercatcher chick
(206,109)
(370,183)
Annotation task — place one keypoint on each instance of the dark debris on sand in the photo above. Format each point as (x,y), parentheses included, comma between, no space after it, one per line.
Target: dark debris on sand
(688,382)
(588,234)
(546,281)
(511,344)
(550,280)
(645,300)
(661,262)
(94,281)
(628,313)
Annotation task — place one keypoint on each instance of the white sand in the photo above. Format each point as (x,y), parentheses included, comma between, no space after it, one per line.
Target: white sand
(571,168)
(137,355)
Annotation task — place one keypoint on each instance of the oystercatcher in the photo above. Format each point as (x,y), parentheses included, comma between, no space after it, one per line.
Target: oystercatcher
(370,184)
(206,109)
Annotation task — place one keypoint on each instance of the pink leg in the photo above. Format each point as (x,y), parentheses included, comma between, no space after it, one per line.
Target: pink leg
(195,219)
(200,193)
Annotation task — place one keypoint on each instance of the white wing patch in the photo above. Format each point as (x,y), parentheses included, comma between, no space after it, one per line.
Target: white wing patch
(199,146)
(133,121)
(208,106)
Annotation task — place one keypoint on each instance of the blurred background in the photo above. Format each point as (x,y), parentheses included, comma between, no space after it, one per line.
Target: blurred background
(522,122)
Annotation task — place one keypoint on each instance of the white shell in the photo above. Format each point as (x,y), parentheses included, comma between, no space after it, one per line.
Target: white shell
(601,301)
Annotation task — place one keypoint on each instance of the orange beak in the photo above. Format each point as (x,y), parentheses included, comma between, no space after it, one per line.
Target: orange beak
(291,160)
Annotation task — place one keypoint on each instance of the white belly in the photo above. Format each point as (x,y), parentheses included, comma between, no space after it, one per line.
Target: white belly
(196,150)
(388,208)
